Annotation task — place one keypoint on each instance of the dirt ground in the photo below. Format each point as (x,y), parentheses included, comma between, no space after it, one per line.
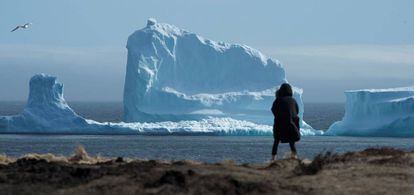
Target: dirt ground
(372,171)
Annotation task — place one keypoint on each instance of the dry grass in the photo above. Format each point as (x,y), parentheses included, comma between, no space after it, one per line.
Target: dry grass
(80,156)
(4,159)
(48,157)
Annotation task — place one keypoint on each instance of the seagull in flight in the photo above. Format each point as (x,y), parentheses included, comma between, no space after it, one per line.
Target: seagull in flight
(22,26)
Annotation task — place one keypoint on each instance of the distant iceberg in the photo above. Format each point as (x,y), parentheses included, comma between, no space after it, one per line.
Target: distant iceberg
(377,112)
(173,75)
(47,112)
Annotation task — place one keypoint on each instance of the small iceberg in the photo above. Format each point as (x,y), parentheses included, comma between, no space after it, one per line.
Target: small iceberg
(377,112)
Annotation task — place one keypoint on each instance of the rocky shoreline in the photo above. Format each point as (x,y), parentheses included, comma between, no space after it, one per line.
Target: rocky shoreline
(372,171)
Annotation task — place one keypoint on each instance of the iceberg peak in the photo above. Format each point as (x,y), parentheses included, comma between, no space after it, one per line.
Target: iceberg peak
(151,22)
(45,90)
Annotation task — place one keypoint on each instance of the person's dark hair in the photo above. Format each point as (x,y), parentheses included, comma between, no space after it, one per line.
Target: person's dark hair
(285,90)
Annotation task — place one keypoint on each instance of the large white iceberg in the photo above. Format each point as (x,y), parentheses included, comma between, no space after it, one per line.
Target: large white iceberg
(47,112)
(377,112)
(173,74)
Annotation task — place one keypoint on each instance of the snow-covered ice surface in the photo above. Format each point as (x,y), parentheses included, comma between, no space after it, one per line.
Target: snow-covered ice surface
(173,75)
(377,112)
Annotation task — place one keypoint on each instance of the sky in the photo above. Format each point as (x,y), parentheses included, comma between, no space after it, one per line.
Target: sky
(326,46)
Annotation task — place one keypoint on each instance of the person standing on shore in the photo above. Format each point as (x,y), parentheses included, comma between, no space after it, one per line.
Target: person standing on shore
(286,120)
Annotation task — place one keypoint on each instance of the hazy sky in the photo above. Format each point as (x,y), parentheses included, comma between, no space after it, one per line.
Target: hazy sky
(326,46)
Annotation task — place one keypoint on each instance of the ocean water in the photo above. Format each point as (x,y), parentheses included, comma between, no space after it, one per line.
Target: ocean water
(254,149)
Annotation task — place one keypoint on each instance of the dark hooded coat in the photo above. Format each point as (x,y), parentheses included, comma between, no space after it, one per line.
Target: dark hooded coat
(285,110)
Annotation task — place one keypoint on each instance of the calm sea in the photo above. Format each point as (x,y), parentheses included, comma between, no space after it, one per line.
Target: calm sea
(202,148)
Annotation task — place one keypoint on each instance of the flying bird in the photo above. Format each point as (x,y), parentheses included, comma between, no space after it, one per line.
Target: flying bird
(22,26)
